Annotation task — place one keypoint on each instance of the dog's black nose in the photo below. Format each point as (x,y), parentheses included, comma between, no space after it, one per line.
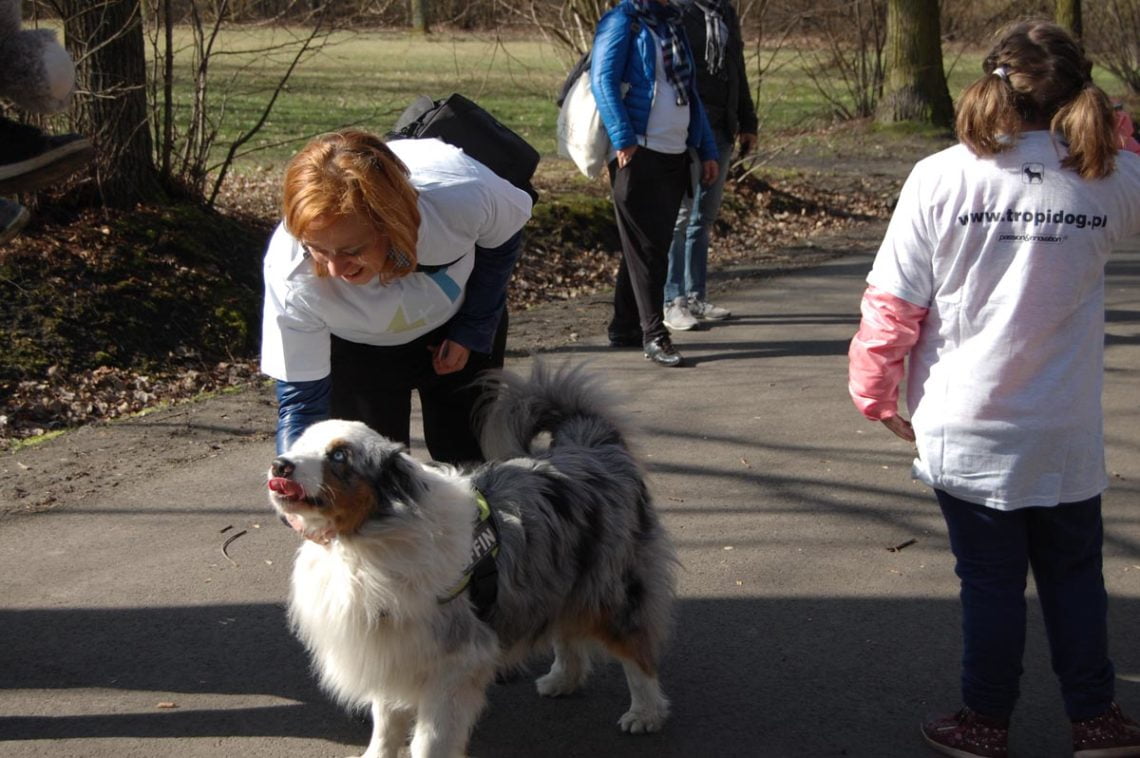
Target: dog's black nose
(282,467)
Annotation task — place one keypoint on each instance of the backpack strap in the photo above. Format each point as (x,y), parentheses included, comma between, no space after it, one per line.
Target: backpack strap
(410,121)
(583,65)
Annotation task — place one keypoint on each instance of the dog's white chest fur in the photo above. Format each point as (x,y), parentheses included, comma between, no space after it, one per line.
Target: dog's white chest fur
(367,629)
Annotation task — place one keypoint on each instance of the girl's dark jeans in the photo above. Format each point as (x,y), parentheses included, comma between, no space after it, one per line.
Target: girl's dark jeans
(994,550)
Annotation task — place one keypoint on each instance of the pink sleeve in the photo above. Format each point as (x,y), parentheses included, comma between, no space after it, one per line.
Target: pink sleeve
(1124,132)
(888,331)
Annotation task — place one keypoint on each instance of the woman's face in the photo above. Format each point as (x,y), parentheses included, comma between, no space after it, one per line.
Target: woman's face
(349,246)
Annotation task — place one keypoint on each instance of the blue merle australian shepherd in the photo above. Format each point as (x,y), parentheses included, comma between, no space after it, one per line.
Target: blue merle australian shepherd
(418,582)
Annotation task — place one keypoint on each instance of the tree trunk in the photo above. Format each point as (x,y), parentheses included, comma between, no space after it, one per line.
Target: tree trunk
(106,40)
(1068,15)
(915,87)
(419,16)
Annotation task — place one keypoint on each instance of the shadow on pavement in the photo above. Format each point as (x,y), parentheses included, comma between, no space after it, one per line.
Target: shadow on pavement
(748,677)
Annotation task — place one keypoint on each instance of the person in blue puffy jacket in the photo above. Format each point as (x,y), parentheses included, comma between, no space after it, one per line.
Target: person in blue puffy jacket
(642,76)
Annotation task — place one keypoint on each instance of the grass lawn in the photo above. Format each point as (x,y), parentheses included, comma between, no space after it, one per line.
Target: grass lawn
(367,78)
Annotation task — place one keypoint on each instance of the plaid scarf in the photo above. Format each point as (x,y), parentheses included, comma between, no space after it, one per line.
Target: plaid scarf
(716,34)
(665,21)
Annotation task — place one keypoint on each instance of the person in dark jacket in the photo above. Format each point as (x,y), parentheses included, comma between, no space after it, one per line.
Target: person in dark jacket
(718,48)
(643,80)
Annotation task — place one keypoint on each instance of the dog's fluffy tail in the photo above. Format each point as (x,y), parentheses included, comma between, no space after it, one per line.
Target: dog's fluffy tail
(567,402)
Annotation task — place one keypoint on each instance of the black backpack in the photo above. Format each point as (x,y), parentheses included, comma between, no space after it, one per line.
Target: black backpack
(463,123)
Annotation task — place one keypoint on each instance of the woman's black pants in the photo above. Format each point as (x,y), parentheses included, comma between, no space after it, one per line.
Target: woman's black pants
(373,384)
(647,195)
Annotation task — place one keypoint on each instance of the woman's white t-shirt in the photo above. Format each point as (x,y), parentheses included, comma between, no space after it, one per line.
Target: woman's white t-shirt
(462,204)
(667,130)
(1008,253)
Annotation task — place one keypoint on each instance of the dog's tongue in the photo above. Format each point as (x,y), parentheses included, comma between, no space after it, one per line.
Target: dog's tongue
(287,488)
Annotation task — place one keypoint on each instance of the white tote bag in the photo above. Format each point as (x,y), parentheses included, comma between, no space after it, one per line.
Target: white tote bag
(581,135)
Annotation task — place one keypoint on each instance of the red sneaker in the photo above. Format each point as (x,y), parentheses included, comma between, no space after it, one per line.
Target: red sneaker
(1109,735)
(967,734)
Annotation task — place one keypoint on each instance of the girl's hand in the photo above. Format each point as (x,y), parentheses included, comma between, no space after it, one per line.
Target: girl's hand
(449,357)
(900,426)
(625,155)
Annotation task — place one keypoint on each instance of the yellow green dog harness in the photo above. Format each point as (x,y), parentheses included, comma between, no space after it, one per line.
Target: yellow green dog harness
(481,577)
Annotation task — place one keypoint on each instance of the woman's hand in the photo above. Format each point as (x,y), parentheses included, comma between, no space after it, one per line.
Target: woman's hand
(900,426)
(625,155)
(709,170)
(449,357)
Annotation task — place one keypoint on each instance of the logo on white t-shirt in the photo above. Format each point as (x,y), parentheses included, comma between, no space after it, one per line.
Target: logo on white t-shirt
(1033,173)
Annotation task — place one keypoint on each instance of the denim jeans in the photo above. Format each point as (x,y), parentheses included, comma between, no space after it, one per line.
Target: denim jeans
(994,549)
(689,253)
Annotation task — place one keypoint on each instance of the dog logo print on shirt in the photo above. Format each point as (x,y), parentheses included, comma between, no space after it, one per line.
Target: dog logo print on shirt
(1033,173)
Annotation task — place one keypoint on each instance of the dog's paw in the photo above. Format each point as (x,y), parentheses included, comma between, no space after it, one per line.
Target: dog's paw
(557,684)
(638,721)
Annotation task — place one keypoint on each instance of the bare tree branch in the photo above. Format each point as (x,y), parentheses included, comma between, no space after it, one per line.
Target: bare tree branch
(249,133)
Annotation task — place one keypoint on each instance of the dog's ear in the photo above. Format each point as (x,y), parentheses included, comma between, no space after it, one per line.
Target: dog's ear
(397,480)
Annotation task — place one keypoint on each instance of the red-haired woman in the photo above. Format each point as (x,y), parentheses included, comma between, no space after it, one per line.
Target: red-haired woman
(389,274)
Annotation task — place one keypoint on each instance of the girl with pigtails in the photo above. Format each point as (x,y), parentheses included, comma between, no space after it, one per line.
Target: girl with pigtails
(989,289)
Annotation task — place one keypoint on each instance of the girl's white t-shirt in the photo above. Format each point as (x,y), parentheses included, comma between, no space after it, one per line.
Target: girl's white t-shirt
(1008,253)
(462,204)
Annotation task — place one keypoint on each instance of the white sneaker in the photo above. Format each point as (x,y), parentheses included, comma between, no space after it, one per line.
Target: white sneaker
(706,311)
(677,316)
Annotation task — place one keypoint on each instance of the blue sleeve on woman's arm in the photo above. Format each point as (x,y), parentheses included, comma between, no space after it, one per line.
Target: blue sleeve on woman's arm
(612,41)
(475,324)
(300,404)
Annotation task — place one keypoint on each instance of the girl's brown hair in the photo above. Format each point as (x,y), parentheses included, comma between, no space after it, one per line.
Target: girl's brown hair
(354,172)
(1037,73)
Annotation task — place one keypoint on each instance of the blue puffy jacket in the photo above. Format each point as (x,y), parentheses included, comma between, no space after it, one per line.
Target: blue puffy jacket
(620,57)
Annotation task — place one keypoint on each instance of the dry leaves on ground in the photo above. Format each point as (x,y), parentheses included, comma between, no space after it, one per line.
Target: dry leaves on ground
(758,224)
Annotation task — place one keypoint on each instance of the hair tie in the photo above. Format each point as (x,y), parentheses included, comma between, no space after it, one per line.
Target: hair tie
(1001,72)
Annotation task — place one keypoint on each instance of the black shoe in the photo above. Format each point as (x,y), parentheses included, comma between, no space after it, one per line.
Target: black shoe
(662,352)
(625,339)
(31,159)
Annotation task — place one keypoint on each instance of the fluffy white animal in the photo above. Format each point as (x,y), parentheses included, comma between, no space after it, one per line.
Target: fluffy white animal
(36,73)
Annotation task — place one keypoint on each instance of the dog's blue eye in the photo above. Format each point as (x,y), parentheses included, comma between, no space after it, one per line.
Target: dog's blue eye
(339,456)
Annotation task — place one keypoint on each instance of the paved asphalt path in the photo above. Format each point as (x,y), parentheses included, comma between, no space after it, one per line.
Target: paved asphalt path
(799,632)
